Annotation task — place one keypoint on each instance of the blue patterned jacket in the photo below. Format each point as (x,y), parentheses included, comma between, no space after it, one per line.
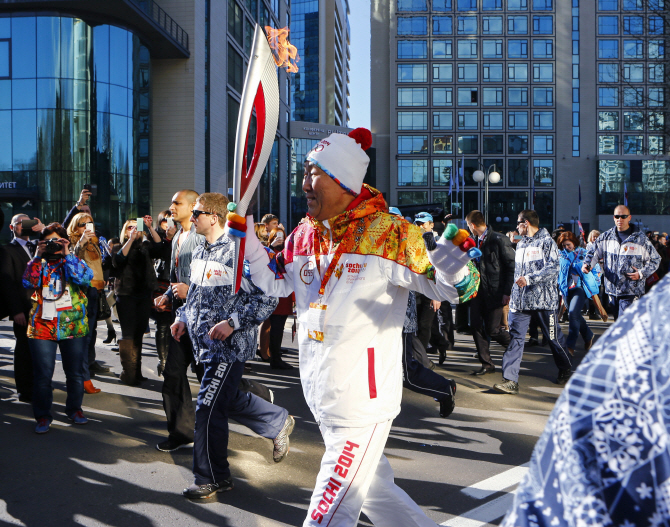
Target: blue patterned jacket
(603,458)
(620,258)
(536,259)
(571,263)
(210,301)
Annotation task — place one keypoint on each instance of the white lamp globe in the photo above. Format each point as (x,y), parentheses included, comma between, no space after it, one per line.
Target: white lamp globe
(494,178)
(478,176)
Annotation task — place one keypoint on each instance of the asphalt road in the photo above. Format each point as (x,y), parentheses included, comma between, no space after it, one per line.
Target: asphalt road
(461,471)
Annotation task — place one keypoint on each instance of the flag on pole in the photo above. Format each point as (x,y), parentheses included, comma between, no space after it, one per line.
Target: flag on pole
(625,194)
(458,176)
(451,181)
(580,191)
(532,193)
(581,230)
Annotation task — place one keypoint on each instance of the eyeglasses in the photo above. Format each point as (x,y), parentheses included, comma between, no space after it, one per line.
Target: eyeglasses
(196,213)
(81,224)
(621,216)
(519,222)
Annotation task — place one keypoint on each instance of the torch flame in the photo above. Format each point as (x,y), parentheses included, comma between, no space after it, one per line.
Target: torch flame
(285,53)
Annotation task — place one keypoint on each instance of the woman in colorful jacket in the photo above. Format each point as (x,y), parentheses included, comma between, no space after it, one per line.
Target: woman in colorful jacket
(575,287)
(58,319)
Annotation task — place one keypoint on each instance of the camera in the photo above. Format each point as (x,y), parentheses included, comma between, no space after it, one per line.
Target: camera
(52,247)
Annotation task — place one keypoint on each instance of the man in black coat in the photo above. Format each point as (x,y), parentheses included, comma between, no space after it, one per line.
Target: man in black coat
(496,266)
(16,256)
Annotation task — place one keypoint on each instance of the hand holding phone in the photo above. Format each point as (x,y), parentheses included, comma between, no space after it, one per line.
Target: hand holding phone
(170,223)
(90,227)
(27,225)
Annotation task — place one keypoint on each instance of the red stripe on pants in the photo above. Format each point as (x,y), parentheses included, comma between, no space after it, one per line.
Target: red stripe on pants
(371,373)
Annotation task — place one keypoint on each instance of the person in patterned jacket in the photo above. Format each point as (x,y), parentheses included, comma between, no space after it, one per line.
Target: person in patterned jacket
(603,458)
(534,292)
(628,259)
(223,328)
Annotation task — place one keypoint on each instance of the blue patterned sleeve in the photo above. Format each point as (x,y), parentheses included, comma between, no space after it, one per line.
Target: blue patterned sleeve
(654,261)
(252,305)
(77,272)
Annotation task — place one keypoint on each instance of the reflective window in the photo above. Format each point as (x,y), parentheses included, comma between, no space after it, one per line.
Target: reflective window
(443,72)
(608,5)
(608,97)
(24,94)
(235,69)
(492,5)
(517,171)
(608,49)
(649,194)
(412,198)
(517,49)
(235,21)
(412,73)
(412,49)
(443,144)
(442,49)
(656,97)
(633,144)
(492,49)
(412,25)
(543,49)
(468,144)
(656,72)
(633,72)
(412,120)
(412,5)
(632,5)
(412,144)
(412,96)
(48,57)
(5,140)
(443,121)
(517,120)
(492,25)
(467,25)
(517,144)
(5,95)
(24,48)
(492,72)
(493,144)
(633,121)
(517,5)
(543,144)
(543,96)
(467,121)
(492,121)
(517,25)
(467,49)
(467,72)
(467,97)
(608,25)
(466,5)
(442,169)
(543,172)
(608,144)
(656,25)
(633,49)
(543,73)
(656,49)
(608,72)
(5,59)
(517,72)
(492,96)
(543,120)
(633,96)
(441,5)
(412,172)
(656,121)
(442,96)
(656,145)
(442,25)
(517,96)
(543,5)
(633,25)
(543,25)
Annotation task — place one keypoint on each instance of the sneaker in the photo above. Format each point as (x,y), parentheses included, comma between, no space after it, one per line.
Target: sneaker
(447,405)
(96,367)
(509,387)
(43,425)
(281,442)
(563,376)
(171,444)
(532,342)
(78,418)
(199,492)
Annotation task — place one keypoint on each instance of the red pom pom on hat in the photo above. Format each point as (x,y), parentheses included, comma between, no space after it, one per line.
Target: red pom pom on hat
(362,136)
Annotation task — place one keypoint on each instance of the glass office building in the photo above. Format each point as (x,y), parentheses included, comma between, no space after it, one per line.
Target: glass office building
(74,110)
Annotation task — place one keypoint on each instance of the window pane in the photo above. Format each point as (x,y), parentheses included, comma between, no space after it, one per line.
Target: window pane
(492,49)
(492,121)
(608,49)
(412,73)
(412,49)
(633,25)
(608,120)
(24,139)
(608,144)
(467,25)
(466,5)
(412,25)
(467,73)
(542,5)
(543,25)
(517,72)
(441,5)
(24,52)
(517,120)
(467,49)
(492,72)
(543,96)
(443,144)
(48,56)
(543,120)
(412,198)
(633,120)
(442,49)
(517,172)
(118,55)
(235,66)
(492,25)
(517,96)
(656,49)
(5,140)
(517,25)
(633,96)
(442,171)
(492,97)
(517,144)
(412,5)
(633,144)
(443,73)
(467,121)
(543,144)
(468,144)
(543,172)
(656,72)
(442,96)
(412,144)
(608,25)
(608,97)
(656,97)
(442,25)
(412,172)
(608,5)
(412,121)
(633,72)
(412,96)
(656,145)
(608,72)
(491,5)
(443,121)
(656,121)
(517,5)
(543,73)
(633,49)
(517,49)
(467,97)
(493,144)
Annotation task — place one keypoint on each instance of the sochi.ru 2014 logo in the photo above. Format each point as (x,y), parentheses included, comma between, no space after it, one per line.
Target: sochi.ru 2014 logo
(307,273)
(338,271)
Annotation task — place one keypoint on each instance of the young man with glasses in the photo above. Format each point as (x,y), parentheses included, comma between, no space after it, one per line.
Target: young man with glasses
(628,259)
(223,328)
(534,292)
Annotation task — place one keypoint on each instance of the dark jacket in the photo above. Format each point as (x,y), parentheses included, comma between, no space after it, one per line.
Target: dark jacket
(496,266)
(12,266)
(135,273)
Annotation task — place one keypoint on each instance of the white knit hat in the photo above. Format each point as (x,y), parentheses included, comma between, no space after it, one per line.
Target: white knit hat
(343,158)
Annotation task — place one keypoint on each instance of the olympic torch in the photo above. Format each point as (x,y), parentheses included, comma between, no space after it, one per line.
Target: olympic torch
(260,93)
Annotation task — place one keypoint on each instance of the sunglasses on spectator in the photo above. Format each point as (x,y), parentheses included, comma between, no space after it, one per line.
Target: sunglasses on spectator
(81,224)
(197,213)
(621,216)
(519,222)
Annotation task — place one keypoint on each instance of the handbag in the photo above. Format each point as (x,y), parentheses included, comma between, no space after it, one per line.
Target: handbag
(104,311)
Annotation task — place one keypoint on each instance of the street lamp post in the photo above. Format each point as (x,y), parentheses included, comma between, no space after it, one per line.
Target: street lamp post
(492,176)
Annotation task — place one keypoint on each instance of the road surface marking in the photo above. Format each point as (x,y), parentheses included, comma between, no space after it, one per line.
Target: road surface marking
(487,487)
(483,514)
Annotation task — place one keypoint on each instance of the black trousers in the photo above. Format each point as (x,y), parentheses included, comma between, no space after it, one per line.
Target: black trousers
(485,325)
(277,323)
(462,316)
(134,313)
(418,378)
(424,317)
(23,362)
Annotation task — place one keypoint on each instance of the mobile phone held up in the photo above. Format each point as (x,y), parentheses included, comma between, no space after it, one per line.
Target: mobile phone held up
(90,227)
(93,189)
(27,225)
(140,225)
(170,223)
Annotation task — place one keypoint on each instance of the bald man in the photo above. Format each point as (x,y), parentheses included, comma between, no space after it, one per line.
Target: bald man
(628,259)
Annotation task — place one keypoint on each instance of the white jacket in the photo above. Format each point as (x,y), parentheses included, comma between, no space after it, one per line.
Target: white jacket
(354,376)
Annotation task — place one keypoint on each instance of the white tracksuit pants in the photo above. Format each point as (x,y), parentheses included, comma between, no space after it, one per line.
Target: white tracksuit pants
(355,475)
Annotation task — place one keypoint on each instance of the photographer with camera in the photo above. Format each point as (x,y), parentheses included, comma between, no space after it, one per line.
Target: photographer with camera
(58,280)
(16,256)
(135,281)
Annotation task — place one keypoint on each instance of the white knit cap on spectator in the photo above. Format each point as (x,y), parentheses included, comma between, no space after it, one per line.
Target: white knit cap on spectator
(343,158)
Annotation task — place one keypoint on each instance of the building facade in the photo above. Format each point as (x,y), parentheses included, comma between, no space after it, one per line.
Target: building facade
(512,85)
(137,98)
